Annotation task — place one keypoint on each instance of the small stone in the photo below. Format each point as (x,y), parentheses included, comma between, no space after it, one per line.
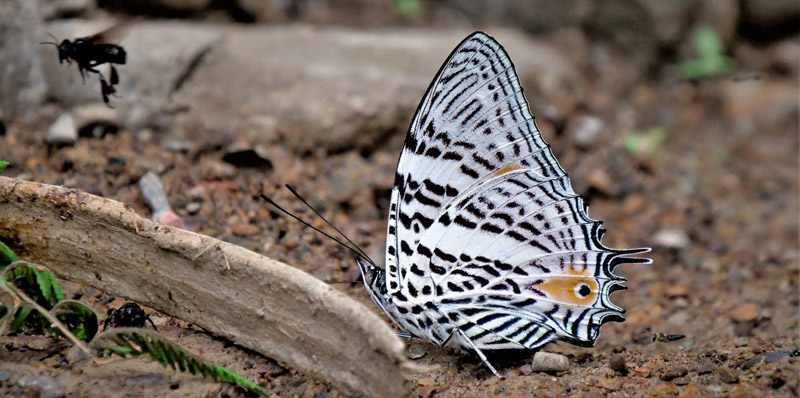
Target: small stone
(679,319)
(745,313)
(663,390)
(549,362)
(753,362)
(63,131)
(168,218)
(416,351)
(643,371)
(174,382)
(599,180)
(193,207)
(426,381)
(691,390)
(617,364)
(675,291)
(727,375)
(244,229)
(180,146)
(672,239)
(585,131)
(776,356)
(426,391)
(673,373)
(526,369)
(47,387)
(741,342)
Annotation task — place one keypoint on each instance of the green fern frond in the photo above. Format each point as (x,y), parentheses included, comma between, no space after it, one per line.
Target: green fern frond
(3,165)
(77,317)
(132,342)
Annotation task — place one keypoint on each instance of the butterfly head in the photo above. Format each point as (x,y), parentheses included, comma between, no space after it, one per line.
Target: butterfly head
(374,280)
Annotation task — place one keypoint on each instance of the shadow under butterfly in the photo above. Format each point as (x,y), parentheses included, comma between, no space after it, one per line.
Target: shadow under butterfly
(92,51)
(488,247)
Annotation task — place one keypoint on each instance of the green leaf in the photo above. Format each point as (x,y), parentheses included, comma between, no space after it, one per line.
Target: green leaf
(38,283)
(132,342)
(7,256)
(77,317)
(3,165)
(48,285)
(19,318)
(710,60)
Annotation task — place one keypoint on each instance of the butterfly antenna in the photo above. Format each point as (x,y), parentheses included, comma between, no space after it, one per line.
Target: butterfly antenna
(304,222)
(297,195)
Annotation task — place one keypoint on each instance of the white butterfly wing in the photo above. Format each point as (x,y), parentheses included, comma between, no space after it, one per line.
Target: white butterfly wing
(483,218)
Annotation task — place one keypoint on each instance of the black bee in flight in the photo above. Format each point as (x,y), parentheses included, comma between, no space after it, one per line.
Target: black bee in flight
(90,51)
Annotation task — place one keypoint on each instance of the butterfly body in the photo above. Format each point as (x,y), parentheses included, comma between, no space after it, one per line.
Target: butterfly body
(488,246)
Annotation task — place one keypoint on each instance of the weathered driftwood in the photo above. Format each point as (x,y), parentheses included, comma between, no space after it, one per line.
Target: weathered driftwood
(254,301)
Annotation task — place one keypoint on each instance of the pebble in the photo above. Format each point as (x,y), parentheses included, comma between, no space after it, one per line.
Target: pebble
(549,362)
(587,131)
(426,381)
(526,369)
(664,390)
(745,313)
(674,291)
(775,356)
(617,364)
(416,351)
(727,375)
(673,373)
(174,382)
(244,229)
(63,131)
(153,194)
(753,362)
(180,146)
(671,239)
(643,371)
(193,207)
(47,387)
(599,180)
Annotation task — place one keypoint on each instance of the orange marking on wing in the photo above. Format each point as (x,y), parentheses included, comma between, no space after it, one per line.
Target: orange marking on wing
(507,169)
(566,288)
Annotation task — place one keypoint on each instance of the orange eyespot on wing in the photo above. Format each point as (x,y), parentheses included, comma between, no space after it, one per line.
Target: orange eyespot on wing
(580,289)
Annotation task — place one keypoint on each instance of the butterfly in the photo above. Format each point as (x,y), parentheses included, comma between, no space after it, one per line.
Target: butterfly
(488,247)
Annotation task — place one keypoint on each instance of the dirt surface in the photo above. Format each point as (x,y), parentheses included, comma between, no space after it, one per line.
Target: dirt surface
(704,172)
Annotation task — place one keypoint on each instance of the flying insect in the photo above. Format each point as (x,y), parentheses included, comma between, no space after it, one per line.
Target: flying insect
(91,51)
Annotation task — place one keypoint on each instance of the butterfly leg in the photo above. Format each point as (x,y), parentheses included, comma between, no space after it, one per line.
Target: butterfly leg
(477,351)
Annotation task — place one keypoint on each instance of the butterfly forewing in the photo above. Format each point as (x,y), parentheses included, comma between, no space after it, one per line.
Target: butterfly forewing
(485,230)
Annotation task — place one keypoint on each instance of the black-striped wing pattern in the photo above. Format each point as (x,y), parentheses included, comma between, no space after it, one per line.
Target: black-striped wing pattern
(488,246)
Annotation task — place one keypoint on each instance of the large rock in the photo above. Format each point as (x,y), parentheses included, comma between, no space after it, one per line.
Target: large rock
(338,88)
(22,85)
